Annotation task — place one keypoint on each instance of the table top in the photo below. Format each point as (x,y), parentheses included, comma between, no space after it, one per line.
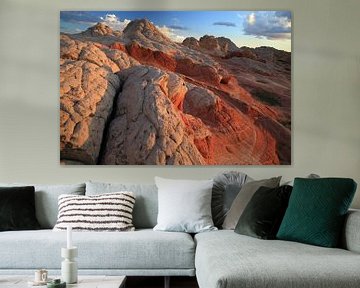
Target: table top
(84,281)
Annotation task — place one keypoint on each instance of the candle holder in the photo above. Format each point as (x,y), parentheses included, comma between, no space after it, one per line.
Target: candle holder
(69,271)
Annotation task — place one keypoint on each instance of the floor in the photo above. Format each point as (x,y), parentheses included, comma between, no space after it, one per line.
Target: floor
(158,282)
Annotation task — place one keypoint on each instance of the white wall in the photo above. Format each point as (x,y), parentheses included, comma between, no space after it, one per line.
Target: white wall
(326,91)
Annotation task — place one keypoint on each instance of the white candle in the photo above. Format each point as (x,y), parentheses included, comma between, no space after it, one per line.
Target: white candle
(69,239)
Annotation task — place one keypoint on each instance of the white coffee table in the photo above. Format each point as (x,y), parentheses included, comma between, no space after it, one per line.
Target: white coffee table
(83,282)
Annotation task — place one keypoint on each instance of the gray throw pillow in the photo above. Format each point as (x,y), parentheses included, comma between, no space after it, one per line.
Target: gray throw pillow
(243,198)
(46,200)
(226,187)
(184,205)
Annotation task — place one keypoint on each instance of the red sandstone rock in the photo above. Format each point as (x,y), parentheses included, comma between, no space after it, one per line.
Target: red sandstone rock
(144,31)
(201,136)
(201,72)
(118,46)
(99,33)
(243,52)
(176,90)
(185,66)
(192,43)
(201,103)
(210,43)
(100,29)
(151,57)
(217,46)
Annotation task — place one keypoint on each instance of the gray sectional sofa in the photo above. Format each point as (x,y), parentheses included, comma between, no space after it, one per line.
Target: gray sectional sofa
(219,259)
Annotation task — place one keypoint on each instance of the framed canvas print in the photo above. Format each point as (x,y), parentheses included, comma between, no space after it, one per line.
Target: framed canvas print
(175,87)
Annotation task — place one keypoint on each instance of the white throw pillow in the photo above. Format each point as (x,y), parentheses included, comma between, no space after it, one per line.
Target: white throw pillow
(104,212)
(184,205)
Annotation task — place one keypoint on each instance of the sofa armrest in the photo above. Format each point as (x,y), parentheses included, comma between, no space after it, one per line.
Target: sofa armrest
(351,234)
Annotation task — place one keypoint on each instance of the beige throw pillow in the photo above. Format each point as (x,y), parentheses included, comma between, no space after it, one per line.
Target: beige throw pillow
(243,198)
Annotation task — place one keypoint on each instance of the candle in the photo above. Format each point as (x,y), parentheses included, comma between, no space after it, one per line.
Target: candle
(69,237)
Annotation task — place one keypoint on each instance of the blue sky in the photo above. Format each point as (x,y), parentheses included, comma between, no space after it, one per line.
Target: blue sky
(244,28)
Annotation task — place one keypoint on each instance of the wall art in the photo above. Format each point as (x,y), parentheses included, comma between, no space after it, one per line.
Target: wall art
(175,87)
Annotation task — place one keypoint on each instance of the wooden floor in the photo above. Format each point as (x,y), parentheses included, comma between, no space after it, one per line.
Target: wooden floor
(158,282)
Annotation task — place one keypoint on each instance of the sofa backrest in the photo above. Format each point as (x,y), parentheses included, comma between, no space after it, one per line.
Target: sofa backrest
(46,200)
(146,203)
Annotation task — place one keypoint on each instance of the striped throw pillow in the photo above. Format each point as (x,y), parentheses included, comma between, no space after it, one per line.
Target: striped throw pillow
(105,212)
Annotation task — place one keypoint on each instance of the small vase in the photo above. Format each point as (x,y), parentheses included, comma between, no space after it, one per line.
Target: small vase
(69,271)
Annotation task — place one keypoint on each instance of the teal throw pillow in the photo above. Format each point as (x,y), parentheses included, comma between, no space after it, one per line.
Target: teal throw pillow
(316,211)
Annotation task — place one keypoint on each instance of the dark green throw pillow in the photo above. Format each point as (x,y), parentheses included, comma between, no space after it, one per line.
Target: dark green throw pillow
(316,211)
(263,214)
(17,208)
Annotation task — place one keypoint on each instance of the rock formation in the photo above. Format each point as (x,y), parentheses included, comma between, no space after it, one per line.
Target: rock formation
(217,46)
(99,33)
(147,127)
(201,102)
(100,29)
(87,93)
(145,32)
(135,97)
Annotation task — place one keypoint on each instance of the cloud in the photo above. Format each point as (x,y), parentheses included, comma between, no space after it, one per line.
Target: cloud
(114,22)
(177,27)
(239,15)
(269,24)
(171,33)
(78,17)
(228,24)
(175,20)
(251,19)
(286,14)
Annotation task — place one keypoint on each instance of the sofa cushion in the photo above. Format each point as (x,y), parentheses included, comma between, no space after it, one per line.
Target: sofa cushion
(243,198)
(317,209)
(143,249)
(105,212)
(225,189)
(17,208)
(351,236)
(184,205)
(146,205)
(225,259)
(263,215)
(46,200)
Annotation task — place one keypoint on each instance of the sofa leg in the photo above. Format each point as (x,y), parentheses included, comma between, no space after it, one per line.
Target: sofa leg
(167,282)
